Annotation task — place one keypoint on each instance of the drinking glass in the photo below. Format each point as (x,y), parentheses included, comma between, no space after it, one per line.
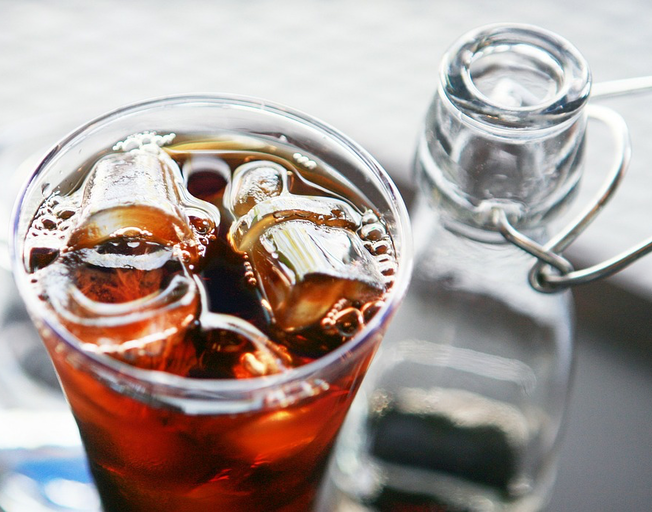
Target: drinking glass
(157,441)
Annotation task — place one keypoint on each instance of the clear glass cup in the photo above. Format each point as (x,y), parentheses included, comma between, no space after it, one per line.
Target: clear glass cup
(162,442)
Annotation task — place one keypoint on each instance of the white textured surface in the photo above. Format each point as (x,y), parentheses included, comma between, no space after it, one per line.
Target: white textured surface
(367,67)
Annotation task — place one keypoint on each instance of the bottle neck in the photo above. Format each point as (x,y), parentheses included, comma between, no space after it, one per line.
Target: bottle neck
(505,128)
(470,172)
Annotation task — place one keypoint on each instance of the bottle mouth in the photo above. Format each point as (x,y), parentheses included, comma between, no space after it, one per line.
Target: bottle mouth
(513,75)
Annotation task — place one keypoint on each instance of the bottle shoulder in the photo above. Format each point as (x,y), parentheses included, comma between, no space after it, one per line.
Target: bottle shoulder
(455,270)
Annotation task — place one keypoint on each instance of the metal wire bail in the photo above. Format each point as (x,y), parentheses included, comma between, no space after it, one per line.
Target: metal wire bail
(553,272)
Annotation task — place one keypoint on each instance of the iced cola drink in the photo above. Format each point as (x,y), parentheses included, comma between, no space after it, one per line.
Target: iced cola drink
(211,277)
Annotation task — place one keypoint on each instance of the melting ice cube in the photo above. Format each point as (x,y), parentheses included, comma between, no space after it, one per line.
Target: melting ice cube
(120,278)
(140,193)
(135,315)
(304,250)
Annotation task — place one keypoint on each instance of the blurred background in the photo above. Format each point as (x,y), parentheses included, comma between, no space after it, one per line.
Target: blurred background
(369,68)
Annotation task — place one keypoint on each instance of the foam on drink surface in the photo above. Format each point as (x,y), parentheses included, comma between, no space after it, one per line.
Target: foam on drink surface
(210,257)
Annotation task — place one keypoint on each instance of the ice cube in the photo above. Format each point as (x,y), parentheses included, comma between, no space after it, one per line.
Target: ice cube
(139,316)
(305,250)
(118,275)
(255,182)
(306,268)
(140,193)
(234,348)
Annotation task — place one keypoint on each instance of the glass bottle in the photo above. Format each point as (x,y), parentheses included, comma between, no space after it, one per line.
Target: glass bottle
(462,408)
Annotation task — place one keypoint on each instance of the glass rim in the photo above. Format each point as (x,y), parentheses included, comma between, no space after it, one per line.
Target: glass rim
(458,86)
(175,382)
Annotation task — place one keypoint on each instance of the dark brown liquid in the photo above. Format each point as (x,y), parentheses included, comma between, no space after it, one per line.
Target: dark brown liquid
(147,457)
(242,283)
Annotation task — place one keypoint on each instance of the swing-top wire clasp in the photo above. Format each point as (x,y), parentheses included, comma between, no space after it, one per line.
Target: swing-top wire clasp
(553,271)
